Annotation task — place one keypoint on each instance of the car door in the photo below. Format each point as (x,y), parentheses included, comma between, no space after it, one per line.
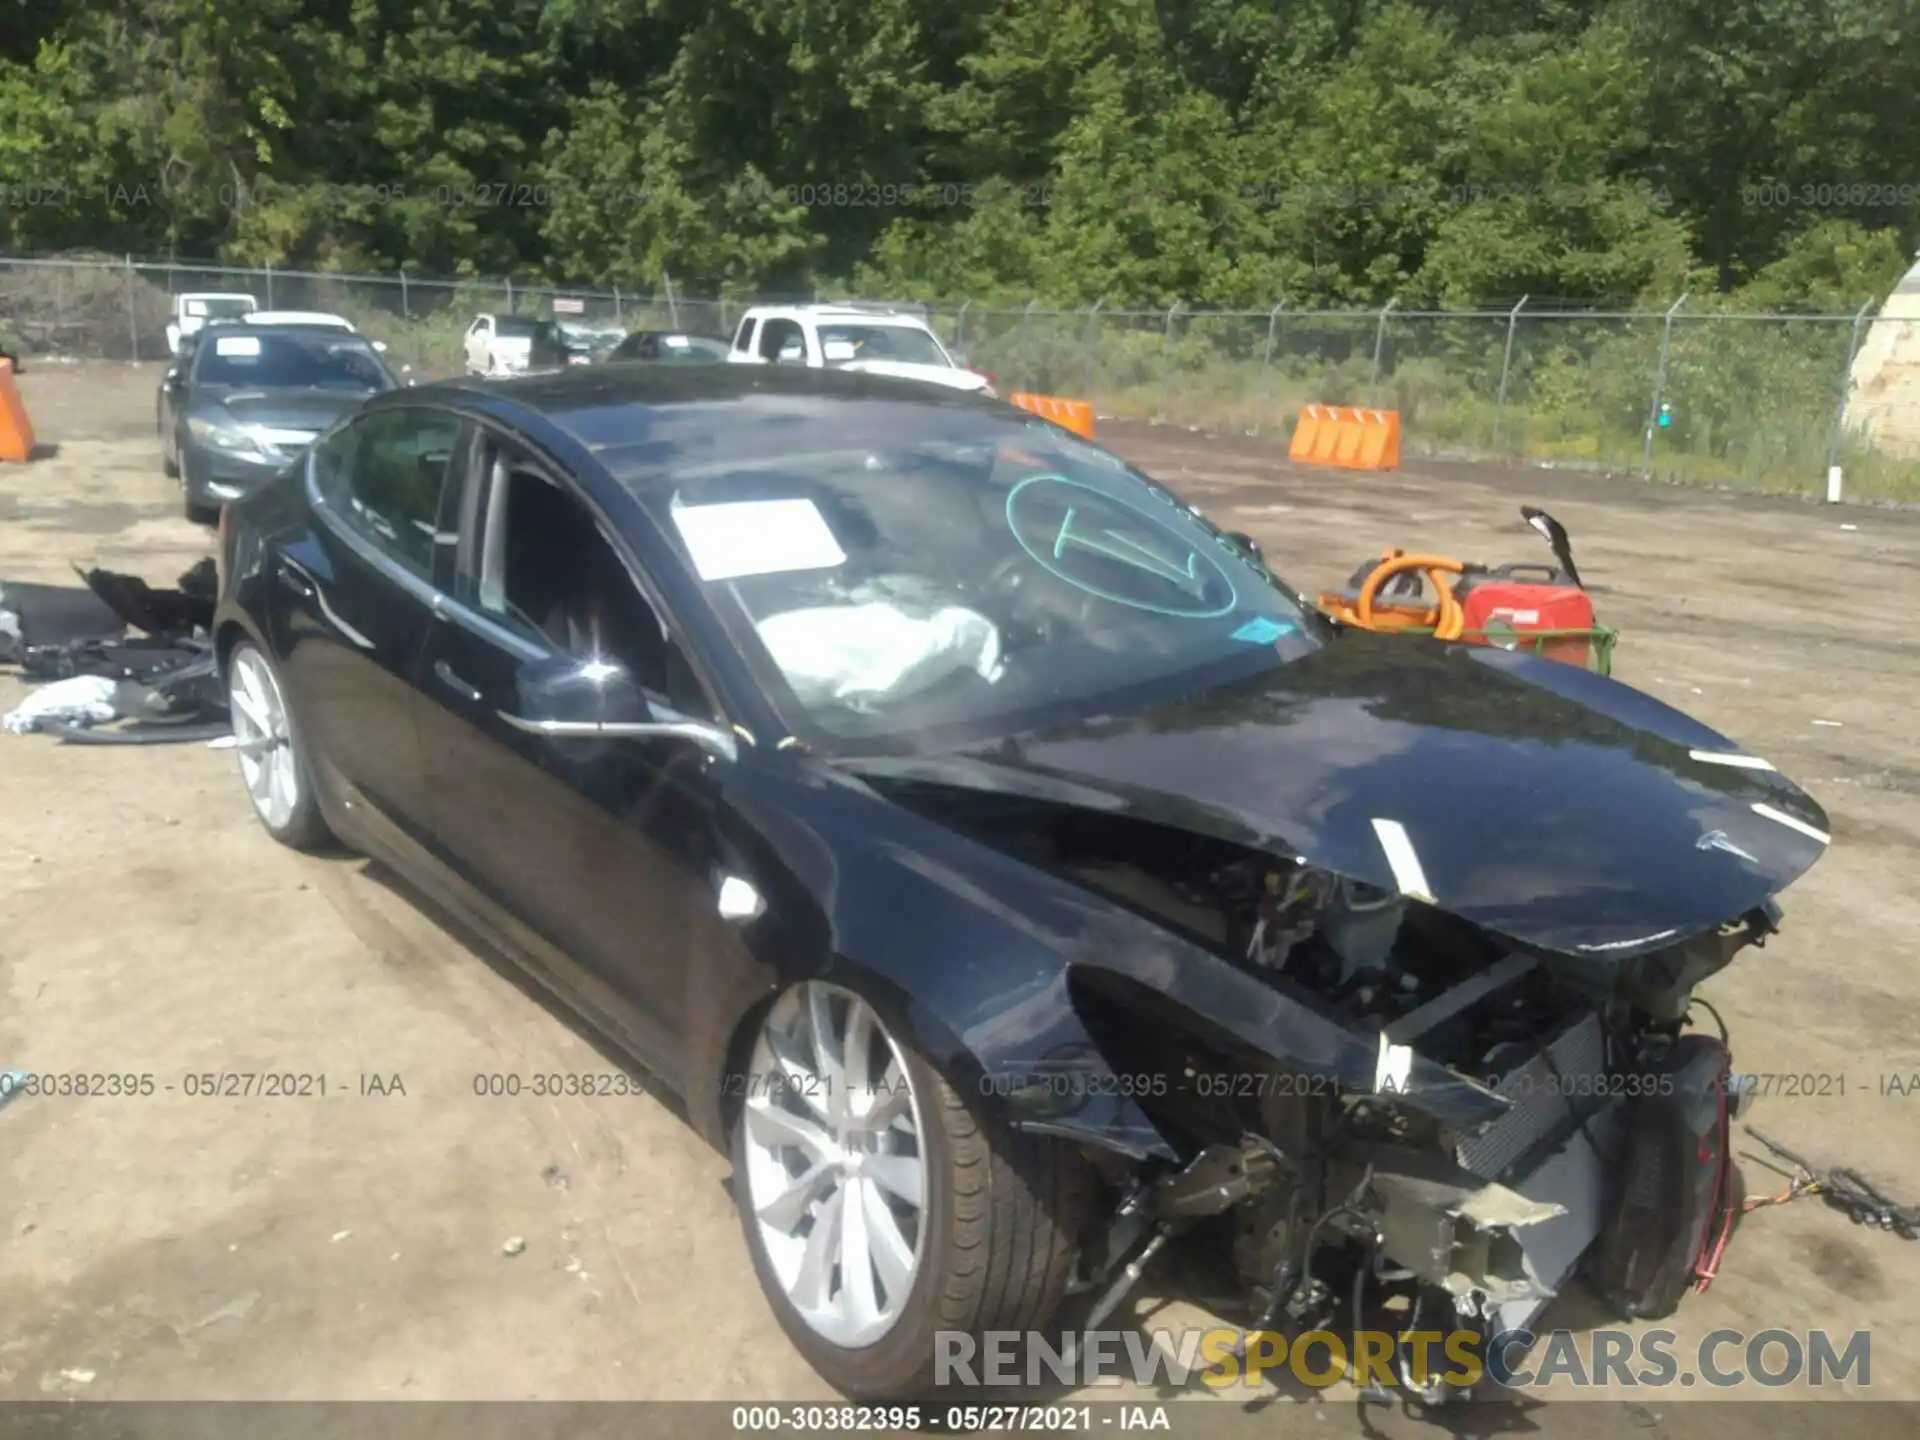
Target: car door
(477,336)
(354,602)
(600,855)
(745,349)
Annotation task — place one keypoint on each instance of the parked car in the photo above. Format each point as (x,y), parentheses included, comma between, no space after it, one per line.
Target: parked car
(244,402)
(589,344)
(513,345)
(674,346)
(190,312)
(874,339)
(1004,865)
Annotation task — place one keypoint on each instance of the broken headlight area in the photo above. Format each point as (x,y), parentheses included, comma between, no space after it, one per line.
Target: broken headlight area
(1333,1198)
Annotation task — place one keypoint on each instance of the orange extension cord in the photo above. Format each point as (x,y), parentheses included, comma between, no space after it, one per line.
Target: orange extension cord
(1444,617)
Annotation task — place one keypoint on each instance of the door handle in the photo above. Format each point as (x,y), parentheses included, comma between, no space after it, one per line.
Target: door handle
(445,673)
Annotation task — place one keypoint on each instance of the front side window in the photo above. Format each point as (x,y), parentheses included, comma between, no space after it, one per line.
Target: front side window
(783,342)
(544,570)
(383,476)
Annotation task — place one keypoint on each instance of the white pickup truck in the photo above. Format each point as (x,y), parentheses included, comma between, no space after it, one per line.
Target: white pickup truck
(874,339)
(190,312)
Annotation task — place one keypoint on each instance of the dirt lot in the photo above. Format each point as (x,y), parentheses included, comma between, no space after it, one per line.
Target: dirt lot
(352,1246)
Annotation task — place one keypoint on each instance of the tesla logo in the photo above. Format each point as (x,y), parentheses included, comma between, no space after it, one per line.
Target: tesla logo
(1717,840)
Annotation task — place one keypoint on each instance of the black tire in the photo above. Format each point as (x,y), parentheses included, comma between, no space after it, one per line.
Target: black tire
(1005,1214)
(168,465)
(199,514)
(306,828)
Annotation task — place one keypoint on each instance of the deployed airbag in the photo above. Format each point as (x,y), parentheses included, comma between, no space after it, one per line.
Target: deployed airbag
(859,654)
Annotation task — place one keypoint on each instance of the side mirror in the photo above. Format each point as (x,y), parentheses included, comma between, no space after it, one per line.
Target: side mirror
(1247,546)
(565,698)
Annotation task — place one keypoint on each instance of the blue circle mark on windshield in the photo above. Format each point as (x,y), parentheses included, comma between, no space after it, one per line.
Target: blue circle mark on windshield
(1093,541)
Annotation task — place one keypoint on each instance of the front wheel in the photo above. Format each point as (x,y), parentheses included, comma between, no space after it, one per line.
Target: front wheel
(273,763)
(882,1209)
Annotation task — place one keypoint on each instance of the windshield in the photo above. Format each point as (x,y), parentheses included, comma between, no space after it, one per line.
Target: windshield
(221,307)
(950,572)
(904,344)
(266,361)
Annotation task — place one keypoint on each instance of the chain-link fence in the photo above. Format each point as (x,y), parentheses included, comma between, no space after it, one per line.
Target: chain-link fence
(1775,400)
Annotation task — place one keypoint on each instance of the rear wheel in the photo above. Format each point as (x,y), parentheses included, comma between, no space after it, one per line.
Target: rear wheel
(272,763)
(881,1208)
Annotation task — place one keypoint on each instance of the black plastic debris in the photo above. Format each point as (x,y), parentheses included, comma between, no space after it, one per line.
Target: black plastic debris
(165,687)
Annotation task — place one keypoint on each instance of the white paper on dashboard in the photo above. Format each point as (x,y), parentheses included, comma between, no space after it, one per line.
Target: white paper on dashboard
(838,350)
(677,342)
(237,345)
(757,537)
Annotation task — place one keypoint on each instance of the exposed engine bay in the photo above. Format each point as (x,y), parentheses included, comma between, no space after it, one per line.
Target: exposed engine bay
(1333,1204)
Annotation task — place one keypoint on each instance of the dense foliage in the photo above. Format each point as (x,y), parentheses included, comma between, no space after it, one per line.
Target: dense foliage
(1223,152)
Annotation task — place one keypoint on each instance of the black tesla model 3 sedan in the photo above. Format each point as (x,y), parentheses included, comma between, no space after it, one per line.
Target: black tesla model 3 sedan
(1002,862)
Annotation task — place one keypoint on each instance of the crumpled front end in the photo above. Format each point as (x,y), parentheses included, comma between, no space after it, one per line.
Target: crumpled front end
(1372,1101)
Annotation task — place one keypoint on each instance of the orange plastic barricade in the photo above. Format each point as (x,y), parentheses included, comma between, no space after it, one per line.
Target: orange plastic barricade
(1075,415)
(1346,438)
(16,431)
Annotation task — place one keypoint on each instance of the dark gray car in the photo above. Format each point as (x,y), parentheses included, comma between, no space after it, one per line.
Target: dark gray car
(247,401)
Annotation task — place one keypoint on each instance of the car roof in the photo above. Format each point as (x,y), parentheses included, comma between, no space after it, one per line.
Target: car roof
(561,395)
(875,314)
(297,317)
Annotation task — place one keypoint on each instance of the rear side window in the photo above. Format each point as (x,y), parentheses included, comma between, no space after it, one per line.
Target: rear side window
(383,476)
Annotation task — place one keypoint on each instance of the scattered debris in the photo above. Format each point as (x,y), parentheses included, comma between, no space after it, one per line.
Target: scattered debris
(164,681)
(78,1377)
(1849,527)
(13,1082)
(1845,1190)
(556,1177)
(514,1246)
(340,1235)
(1834,724)
(80,700)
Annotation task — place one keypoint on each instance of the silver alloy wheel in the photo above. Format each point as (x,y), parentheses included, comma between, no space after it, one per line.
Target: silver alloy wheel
(836,1163)
(263,739)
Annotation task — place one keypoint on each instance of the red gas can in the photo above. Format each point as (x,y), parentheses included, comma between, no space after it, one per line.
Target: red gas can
(1529,599)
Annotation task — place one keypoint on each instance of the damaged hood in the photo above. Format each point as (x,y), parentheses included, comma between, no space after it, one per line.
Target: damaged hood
(1548,804)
